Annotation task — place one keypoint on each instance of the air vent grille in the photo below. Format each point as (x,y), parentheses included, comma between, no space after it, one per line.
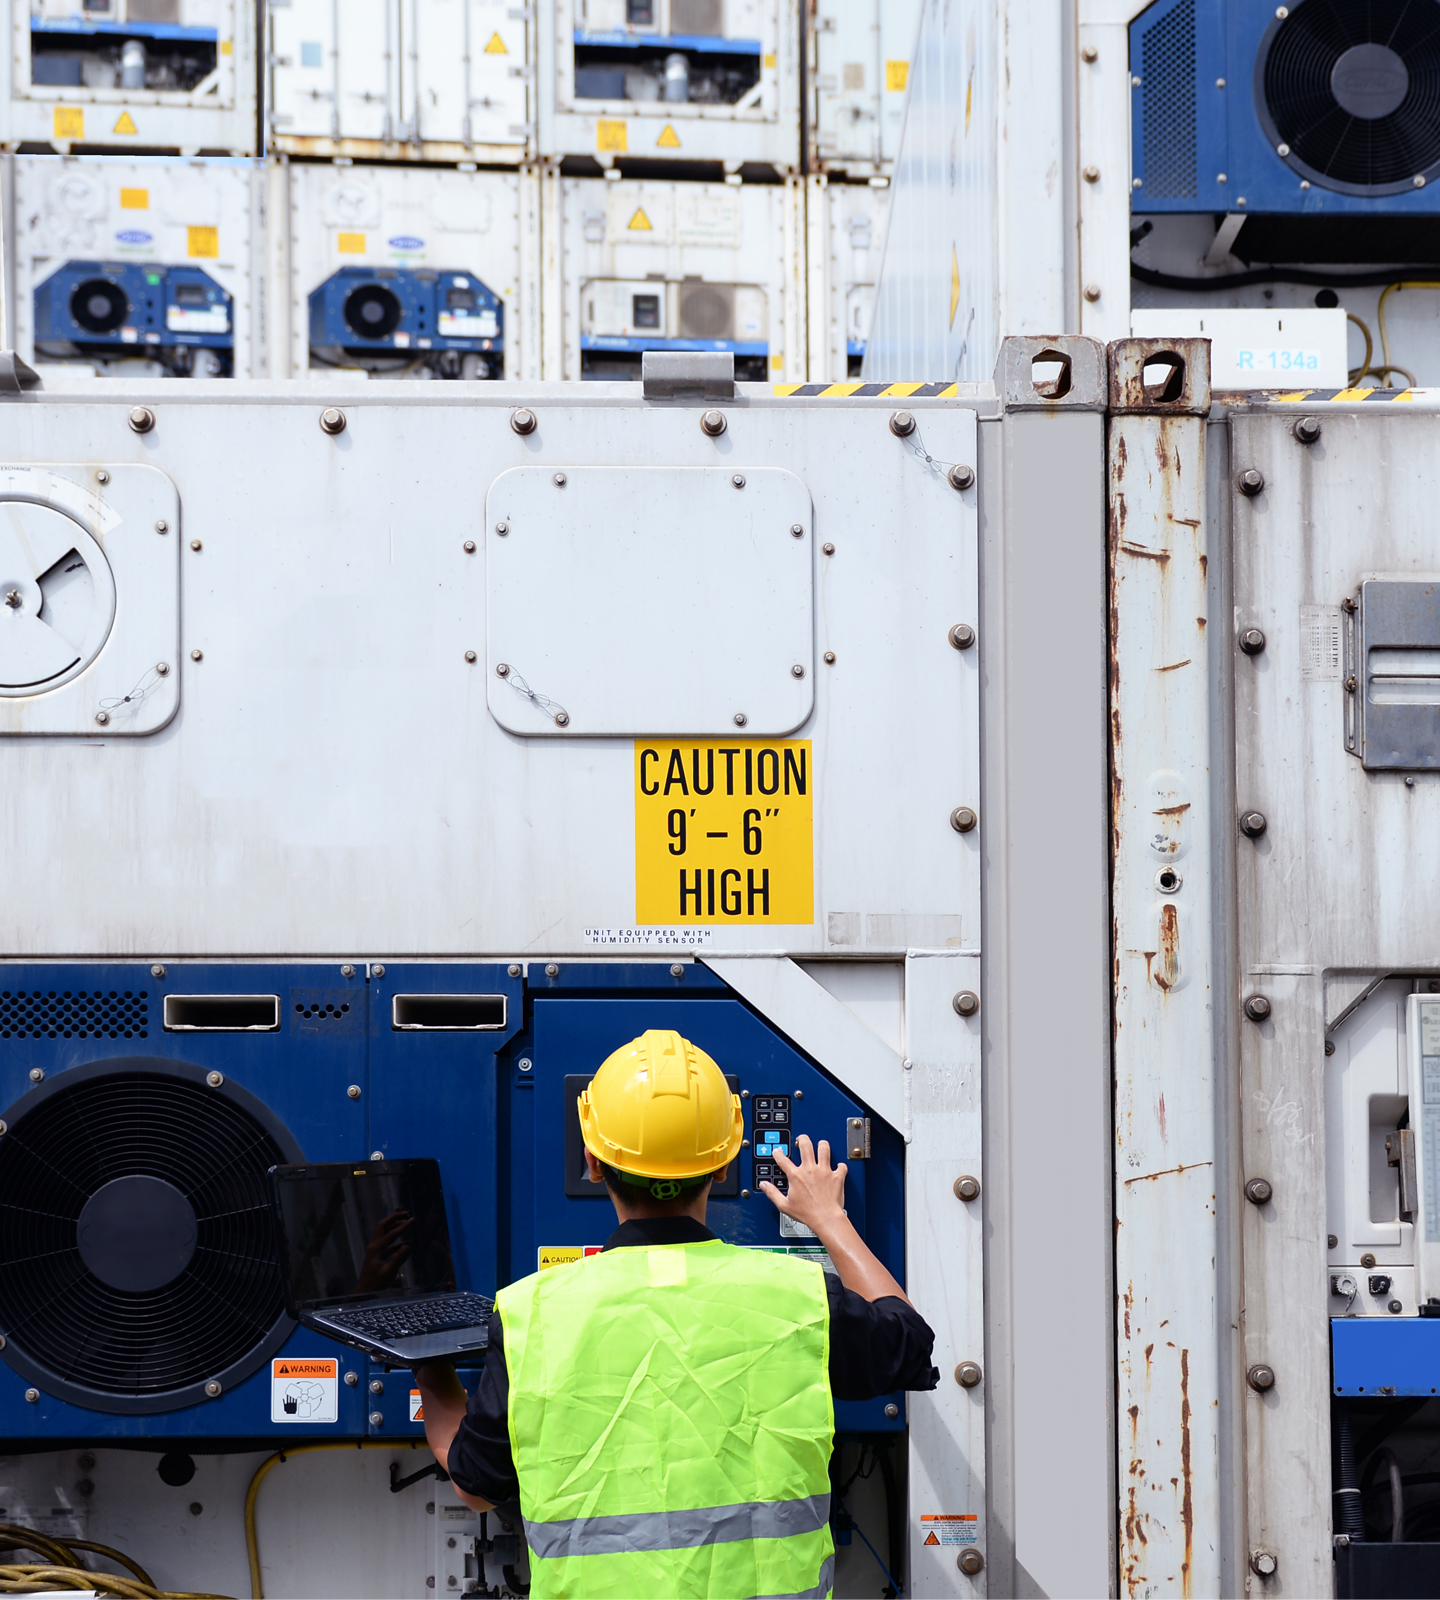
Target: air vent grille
(1167,88)
(74,1014)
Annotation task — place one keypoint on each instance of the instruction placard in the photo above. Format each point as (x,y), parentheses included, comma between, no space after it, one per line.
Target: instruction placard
(305,1390)
(955,1527)
(724,831)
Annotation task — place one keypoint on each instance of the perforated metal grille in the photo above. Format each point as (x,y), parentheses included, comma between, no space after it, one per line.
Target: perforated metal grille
(318,1011)
(74,1014)
(1167,88)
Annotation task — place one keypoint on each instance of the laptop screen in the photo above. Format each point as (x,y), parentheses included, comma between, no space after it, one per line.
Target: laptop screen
(362,1230)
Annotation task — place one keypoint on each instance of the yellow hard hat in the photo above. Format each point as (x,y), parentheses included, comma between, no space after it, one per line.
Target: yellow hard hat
(659,1107)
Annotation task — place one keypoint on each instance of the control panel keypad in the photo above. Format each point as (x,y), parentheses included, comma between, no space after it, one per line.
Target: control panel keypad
(771,1116)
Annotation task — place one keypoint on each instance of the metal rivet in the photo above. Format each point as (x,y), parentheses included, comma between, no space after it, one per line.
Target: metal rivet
(352,1378)
(738,480)
(1257,1007)
(213,1388)
(1258,1191)
(1260,1377)
(141,419)
(4,1126)
(514,969)
(744,1094)
(197,655)
(102,476)
(502,528)
(502,669)
(799,1094)
(215,1079)
(377,1155)
(162,668)
(1091,174)
(37,1074)
(552,971)
(902,424)
(157,971)
(1409,782)
(332,420)
(102,717)
(970,1562)
(676,970)
(196,1509)
(967,1188)
(963,819)
(32,1395)
(713,423)
(1395,1308)
(1329,1047)
(471,656)
(1252,641)
(469,547)
(523,421)
(740,719)
(559,480)
(377,1386)
(353,1091)
(1282,150)
(1092,292)
(968,1374)
(1250,482)
(967,1002)
(1167,880)
(347,971)
(161,526)
(1263,1563)
(1090,54)
(828,549)
(797,671)
(744,1194)
(892,1410)
(961,477)
(1307,430)
(962,636)
(1253,824)
(829,658)
(562,719)
(797,530)
(377,970)
(195,544)
(377,1419)
(1367,1260)
(1352,683)
(1332,1240)
(1418,180)
(525,1063)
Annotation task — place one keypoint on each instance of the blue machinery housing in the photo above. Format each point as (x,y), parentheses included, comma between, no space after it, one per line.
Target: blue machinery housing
(116,309)
(449,320)
(117,1081)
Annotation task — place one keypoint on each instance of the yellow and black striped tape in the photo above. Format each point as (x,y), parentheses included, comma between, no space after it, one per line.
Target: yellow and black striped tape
(865,391)
(1318,395)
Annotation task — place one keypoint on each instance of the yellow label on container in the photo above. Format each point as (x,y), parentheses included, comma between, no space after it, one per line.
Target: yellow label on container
(204,242)
(640,223)
(350,244)
(769,59)
(134,199)
(562,1255)
(611,134)
(897,75)
(724,831)
(69,122)
(669,139)
(227,47)
(496,47)
(126,124)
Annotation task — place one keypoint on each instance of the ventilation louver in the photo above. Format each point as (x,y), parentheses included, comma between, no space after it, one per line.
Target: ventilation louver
(137,1252)
(1349,91)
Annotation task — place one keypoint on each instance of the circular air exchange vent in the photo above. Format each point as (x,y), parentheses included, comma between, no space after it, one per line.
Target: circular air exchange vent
(99,306)
(137,1252)
(1349,93)
(57,598)
(372,311)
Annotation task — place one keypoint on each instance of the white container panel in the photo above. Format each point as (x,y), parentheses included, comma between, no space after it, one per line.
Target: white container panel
(131,82)
(404,221)
(652,265)
(845,228)
(682,80)
(440,80)
(134,221)
(858,65)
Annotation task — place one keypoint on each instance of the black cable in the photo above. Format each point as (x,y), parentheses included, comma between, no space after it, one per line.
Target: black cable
(1349,1512)
(894,1515)
(1241,280)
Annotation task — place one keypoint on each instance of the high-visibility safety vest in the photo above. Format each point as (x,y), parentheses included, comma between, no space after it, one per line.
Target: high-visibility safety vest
(671,1422)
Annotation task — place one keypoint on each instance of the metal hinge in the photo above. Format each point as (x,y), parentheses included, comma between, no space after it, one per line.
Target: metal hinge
(1400,1154)
(857,1139)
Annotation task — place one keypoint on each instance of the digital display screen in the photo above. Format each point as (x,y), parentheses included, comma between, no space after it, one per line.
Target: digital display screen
(351,1232)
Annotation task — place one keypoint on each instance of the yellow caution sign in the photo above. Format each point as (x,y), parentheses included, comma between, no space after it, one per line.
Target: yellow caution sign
(126,124)
(561,1255)
(897,75)
(611,135)
(724,832)
(350,244)
(954,283)
(669,139)
(640,223)
(496,47)
(69,122)
(134,199)
(204,242)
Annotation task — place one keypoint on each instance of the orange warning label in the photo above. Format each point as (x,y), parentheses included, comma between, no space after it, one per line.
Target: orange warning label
(950,1527)
(930,1537)
(306,1369)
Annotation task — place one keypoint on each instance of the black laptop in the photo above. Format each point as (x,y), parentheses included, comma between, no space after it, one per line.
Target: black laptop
(367,1261)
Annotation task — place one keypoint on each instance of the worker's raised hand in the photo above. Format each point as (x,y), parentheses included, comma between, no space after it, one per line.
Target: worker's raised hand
(817,1190)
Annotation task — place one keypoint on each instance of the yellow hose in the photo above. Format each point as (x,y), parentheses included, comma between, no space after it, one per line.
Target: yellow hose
(1356,373)
(1380,317)
(252,1542)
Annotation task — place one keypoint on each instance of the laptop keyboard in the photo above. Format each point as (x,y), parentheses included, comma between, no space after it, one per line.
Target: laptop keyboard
(405,1319)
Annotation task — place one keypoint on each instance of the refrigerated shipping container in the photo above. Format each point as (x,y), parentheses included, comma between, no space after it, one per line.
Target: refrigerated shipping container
(408,80)
(714,81)
(845,234)
(131,268)
(133,75)
(406,271)
(857,69)
(636,265)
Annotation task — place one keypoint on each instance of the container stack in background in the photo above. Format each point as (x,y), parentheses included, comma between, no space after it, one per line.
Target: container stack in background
(448,188)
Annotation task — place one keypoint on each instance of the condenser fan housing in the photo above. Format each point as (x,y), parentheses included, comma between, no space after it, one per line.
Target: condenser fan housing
(138,1260)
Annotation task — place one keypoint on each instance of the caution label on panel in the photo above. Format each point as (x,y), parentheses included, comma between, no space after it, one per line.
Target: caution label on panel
(669,139)
(611,135)
(561,1255)
(69,122)
(724,832)
(305,1390)
(203,242)
(417,1411)
(496,47)
(126,124)
(950,1527)
(640,223)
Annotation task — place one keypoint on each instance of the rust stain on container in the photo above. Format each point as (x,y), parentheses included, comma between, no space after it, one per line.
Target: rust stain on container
(1187,1499)
(1174,666)
(1169,947)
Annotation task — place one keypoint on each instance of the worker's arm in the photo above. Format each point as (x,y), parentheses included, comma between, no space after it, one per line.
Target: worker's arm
(817,1198)
(443,1397)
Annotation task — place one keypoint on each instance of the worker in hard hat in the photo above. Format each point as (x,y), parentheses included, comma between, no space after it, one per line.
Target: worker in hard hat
(662,1410)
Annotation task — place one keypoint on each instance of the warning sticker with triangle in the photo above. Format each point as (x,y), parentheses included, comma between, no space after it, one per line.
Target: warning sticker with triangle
(955,1527)
(496,47)
(640,222)
(931,1539)
(669,139)
(126,124)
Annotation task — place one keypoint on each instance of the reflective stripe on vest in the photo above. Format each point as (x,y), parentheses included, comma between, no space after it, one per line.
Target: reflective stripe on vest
(671,1422)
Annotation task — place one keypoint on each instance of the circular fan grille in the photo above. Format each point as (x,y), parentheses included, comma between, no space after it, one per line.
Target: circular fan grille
(1349,91)
(150,1349)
